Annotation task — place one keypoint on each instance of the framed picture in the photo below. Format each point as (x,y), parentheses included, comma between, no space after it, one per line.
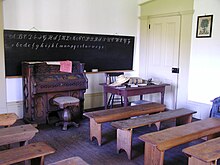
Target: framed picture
(204,26)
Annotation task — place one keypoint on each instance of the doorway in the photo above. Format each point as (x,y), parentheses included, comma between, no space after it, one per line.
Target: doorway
(163,55)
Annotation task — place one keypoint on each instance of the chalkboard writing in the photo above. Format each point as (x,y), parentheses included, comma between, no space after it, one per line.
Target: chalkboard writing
(102,52)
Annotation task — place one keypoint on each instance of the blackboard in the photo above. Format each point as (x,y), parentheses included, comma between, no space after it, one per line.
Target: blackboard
(97,51)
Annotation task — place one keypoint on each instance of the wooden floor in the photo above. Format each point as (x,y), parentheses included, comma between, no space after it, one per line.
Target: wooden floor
(75,142)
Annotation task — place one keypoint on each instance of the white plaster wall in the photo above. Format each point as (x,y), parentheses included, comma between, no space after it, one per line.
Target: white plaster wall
(158,8)
(204,76)
(77,16)
(204,61)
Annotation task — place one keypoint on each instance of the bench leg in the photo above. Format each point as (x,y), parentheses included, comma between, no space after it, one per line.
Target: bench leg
(24,143)
(95,131)
(37,160)
(157,125)
(8,145)
(211,136)
(124,141)
(42,160)
(184,120)
(194,161)
(152,155)
(27,162)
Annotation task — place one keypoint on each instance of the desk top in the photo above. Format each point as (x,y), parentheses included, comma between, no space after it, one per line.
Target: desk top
(151,119)
(124,112)
(132,91)
(174,136)
(16,134)
(132,88)
(207,151)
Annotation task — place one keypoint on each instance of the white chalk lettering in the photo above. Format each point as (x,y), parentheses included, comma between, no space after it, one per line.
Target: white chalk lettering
(50,37)
(44,37)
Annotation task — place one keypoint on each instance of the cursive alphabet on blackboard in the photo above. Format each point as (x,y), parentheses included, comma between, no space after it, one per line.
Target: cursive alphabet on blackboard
(57,38)
(54,45)
(104,52)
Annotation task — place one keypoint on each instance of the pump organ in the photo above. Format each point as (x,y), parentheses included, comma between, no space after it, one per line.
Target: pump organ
(43,82)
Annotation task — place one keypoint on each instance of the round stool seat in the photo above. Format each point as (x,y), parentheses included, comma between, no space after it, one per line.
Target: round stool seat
(63,102)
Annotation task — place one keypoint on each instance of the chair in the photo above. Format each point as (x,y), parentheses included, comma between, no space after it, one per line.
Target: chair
(110,78)
(64,103)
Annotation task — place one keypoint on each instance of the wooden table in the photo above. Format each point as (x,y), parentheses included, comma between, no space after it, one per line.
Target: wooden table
(24,153)
(21,134)
(125,127)
(206,153)
(133,91)
(156,143)
(97,118)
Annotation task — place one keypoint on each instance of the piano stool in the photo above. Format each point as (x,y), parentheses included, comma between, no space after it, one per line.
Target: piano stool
(64,103)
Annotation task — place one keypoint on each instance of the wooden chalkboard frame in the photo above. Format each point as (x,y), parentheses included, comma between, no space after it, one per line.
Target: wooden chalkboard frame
(97,51)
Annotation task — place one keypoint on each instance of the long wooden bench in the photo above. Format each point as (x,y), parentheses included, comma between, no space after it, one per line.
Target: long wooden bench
(21,133)
(157,143)
(125,127)
(99,117)
(28,152)
(206,153)
(7,119)
(76,160)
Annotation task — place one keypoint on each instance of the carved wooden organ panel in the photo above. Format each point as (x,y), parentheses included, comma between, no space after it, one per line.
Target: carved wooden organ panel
(42,82)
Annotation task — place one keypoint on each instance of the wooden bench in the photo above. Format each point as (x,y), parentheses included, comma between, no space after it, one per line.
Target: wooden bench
(15,134)
(157,143)
(7,119)
(28,152)
(125,127)
(76,160)
(99,117)
(206,153)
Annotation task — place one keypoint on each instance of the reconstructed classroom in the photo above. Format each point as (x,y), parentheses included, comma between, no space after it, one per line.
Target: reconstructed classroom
(109,82)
